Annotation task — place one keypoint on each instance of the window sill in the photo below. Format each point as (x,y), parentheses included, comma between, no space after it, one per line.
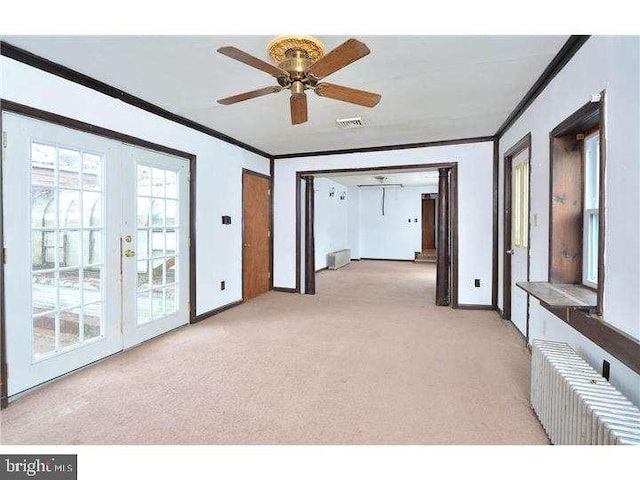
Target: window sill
(562,295)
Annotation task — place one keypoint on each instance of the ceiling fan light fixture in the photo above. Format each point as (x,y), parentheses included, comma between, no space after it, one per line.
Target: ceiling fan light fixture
(301,64)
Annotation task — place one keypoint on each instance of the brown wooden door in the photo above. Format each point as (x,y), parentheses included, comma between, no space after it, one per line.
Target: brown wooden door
(256,254)
(428,224)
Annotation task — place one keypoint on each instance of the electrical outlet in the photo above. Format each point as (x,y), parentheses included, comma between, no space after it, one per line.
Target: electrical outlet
(222,285)
(477,282)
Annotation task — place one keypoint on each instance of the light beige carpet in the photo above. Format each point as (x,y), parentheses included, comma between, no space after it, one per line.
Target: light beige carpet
(368,360)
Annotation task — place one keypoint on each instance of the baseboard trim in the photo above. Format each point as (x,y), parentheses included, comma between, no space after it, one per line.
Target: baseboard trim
(284,290)
(469,306)
(216,311)
(499,310)
(325,268)
(386,259)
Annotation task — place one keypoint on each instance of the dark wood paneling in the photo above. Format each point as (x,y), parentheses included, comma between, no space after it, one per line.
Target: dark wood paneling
(256,241)
(428,224)
(309,239)
(442,254)
(384,148)
(41,63)
(566,53)
(617,343)
(565,229)
(216,311)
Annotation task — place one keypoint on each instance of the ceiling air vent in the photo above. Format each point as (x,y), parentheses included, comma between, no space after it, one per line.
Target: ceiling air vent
(349,123)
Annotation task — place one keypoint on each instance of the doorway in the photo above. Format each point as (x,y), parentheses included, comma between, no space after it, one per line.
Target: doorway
(428,252)
(447,182)
(102,261)
(256,234)
(517,196)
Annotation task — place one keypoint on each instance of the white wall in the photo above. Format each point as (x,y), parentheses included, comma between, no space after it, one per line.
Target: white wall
(330,220)
(353,221)
(603,63)
(475,166)
(219,168)
(391,236)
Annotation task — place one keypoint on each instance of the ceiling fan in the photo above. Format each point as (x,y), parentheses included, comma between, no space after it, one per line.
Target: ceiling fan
(301,65)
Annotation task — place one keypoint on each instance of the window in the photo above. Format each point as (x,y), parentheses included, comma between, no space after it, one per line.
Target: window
(521,205)
(576,210)
(591,209)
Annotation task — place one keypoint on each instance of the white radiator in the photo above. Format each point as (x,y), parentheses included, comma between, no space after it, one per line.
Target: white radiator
(575,404)
(338,259)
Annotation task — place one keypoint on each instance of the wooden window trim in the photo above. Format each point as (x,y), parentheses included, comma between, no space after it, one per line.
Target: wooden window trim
(586,121)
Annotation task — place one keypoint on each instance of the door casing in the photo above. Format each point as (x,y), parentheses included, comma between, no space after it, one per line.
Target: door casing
(510,154)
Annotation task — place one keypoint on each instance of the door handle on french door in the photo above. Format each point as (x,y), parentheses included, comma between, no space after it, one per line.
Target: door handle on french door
(510,252)
(246,245)
(129,253)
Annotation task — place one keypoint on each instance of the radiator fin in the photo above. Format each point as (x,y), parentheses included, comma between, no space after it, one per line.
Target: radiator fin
(338,259)
(575,404)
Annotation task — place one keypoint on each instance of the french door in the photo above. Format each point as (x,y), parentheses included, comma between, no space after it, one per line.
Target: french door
(155,260)
(96,248)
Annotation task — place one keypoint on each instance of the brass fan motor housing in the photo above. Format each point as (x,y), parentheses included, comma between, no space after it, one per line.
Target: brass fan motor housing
(296,63)
(295,54)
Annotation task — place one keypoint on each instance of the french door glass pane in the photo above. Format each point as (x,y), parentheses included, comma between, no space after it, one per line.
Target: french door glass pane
(66,248)
(157,209)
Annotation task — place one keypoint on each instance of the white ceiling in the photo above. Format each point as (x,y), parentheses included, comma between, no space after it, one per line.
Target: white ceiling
(432,87)
(419,178)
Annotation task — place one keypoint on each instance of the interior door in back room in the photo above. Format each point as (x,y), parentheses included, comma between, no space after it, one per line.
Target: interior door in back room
(428,223)
(256,234)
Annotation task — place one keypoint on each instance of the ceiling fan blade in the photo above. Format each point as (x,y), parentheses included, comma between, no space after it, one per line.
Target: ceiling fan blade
(346,94)
(252,61)
(298,108)
(338,58)
(248,95)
